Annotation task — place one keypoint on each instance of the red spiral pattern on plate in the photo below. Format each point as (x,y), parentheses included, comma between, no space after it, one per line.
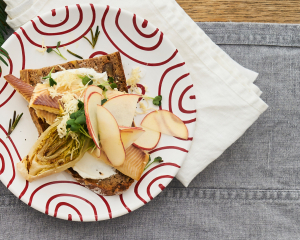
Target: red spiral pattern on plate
(125,54)
(54,14)
(136,187)
(70,206)
(180,101)
(133,42)
(5,85)
(124,204)
(97,53)
(144,25)
(74,196)
(64,44)
(153,181)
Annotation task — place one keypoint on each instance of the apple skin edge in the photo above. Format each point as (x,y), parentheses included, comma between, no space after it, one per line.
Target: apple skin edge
(88,119)
(187,131)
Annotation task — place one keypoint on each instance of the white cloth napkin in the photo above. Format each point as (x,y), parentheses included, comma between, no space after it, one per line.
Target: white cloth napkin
(228,102)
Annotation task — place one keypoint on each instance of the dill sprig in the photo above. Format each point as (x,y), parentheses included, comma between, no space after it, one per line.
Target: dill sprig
(13,123)
(94,37)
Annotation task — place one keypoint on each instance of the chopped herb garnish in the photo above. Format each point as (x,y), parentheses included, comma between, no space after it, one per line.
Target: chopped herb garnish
(113,85)
(157,100)
(77,121)
(86,80)
(74,54)
(49,50)
(102,87)
(103,101)
(111,79)
(157,159)
(94,38)
(51,80)
(13,123)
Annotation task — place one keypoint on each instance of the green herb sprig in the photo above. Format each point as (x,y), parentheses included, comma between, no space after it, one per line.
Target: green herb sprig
(13,123)
(156,100)
(157,159)
(77,121)
(51,80)
(86,80)
(49,50)
(94,38)
(74,54)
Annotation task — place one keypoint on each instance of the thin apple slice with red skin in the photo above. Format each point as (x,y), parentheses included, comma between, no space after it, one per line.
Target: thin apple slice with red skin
(123,108)
(91,89)
(130,134)
(165,122)
(110,137)
(148,140)
(90,109)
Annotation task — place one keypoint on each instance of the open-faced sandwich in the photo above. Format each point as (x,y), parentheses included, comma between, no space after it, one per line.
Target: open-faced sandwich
(85,118)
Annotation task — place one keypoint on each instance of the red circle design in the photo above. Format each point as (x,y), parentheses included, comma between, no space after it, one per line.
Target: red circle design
(107,205)
(168,147)
(65,44)
(125,54)
(172,89)
(3,164)
(97,53)
(151,170)
(70,195)
(153,181)
(58,24)
(22,48)
(134,43)
(12,163)
(144,25)
(63,32)
(180,101)
(70,206)
(192,97)
(122,201)
(162,187)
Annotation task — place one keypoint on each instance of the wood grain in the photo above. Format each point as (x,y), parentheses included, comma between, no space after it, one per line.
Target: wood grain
(267,11)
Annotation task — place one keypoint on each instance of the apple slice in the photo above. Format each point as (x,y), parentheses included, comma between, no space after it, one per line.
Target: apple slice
(90,108)
(91,89)
(134,165)
(110,136)
(148,140)
(130,134)
(166,122)
(123,107)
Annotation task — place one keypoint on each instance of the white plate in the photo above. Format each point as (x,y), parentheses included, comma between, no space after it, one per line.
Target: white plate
(140,44)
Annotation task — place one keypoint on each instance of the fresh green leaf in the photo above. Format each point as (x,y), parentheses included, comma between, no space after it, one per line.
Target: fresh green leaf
(111,79)
(103,101)
(102,87)
(58,44)
(71,121)
(157,100)
(49,50)
(80,105)
(57,50)
(157,159)
(81,119)
(86,80)
(75,127)
(49,75)
(113,85)
(52,82)
(73,115)
(94,37)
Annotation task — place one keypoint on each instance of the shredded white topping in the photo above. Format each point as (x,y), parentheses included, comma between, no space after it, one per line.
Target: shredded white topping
(43,49)
(134,78)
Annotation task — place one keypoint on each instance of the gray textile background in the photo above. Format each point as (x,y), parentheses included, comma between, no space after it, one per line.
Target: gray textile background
(251,192)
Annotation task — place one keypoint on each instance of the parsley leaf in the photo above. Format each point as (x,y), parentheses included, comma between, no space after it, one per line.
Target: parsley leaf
(102,87)
(52,82)
(80,105)
(113,85)
(157,100)
(111,79)
(157,159)
(86,80)
(103,101)
(49,50)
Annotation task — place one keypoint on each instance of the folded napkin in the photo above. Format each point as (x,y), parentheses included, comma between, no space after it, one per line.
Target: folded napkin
(227,101)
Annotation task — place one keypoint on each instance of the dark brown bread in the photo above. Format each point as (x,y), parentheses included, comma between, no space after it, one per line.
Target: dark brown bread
(110,63)
(114,185)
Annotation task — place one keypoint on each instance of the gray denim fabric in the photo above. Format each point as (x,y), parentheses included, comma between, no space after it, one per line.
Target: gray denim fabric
(251,192)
